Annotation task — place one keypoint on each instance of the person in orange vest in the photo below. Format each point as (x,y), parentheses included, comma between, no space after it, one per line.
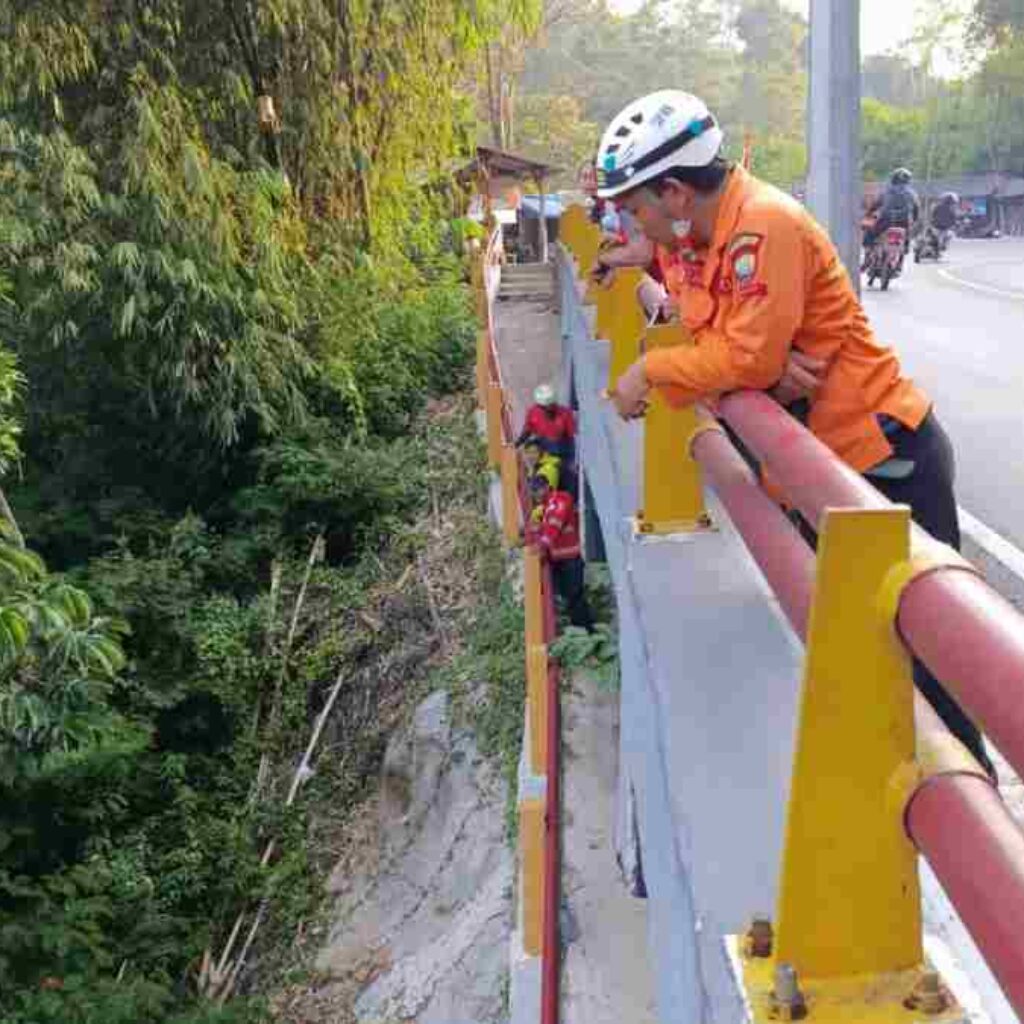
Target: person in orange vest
(556,531)
(755,279)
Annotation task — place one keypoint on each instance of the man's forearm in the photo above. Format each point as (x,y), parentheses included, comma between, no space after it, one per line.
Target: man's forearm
(637,253)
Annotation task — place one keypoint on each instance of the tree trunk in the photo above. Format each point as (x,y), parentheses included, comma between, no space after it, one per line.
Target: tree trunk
(493,99)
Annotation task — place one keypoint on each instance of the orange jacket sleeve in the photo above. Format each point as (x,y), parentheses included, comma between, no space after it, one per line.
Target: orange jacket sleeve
(748,344)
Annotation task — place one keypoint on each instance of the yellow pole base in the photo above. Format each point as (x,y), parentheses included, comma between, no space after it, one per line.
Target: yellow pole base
(849,902)
(862,999)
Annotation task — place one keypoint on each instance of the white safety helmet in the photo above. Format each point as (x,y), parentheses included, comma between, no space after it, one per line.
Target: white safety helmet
(544,395)
(655,133)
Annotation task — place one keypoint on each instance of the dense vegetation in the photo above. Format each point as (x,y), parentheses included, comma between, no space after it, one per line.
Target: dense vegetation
(230,284)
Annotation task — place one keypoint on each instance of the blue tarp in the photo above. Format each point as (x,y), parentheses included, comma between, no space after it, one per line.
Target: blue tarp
(530,207)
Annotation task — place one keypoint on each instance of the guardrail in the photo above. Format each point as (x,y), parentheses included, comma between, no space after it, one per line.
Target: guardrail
(875,767)
(540,782)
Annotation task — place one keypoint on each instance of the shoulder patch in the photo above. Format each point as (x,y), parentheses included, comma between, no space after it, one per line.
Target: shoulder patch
(745,241)
(744,255)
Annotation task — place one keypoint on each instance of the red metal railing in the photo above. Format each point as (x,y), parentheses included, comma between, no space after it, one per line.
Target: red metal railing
(984,667)
(552,952)
(551,956)
(958,821)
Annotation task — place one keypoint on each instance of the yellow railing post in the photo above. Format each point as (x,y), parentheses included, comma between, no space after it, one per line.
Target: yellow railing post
(536,660)
(673,488)
(532,598)
(849,900)
(537,706)
(510,495)
(476,278)
(586,256)
(494,438)
(531,859)
(570,227)
(483,368)
(848,942)
(621,320)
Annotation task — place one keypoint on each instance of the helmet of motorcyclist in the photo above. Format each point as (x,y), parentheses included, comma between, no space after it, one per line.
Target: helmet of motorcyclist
(950,199)
(544,395)
(901,176)
(654,134)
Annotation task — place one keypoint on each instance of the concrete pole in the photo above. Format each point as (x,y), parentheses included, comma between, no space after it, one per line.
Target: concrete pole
(833,126)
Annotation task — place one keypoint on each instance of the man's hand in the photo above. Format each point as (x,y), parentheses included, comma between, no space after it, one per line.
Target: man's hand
(631,392)
(801,378)
(601,273)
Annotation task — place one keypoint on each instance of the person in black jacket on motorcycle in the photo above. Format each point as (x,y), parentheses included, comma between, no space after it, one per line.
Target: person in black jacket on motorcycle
(934,240)
(897,207)
(945,215)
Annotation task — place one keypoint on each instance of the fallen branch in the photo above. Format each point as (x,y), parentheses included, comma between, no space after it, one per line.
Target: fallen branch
(316,555)
(219,982)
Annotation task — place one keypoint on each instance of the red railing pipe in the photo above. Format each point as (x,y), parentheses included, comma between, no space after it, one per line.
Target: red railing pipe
(977,853)
(780,552)
(551,951)
(957,821)
(970,637)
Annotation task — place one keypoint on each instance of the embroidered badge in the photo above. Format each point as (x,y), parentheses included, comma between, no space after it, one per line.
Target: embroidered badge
(745,267)
(744,255)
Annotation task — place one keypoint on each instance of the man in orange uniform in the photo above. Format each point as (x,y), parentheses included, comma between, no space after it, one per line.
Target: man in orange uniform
(756,278)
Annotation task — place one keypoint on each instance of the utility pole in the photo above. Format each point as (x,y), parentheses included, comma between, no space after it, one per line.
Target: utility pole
(833,126)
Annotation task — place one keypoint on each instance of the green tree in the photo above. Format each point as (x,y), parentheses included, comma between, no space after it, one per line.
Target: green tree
(557,132)
(890,137)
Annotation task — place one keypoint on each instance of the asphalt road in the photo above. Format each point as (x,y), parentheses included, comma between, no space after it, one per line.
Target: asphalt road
(959,329)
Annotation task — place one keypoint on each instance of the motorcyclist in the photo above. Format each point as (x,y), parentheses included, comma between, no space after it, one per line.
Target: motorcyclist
(897,207)
(946,212)
(942,219)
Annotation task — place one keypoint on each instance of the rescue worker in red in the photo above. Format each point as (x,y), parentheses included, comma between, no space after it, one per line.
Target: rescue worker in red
(756,280)
(556,532)
(552,424)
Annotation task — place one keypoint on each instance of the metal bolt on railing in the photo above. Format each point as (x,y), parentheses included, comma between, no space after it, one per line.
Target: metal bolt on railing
(929,995)
(760,937)
(787,1000)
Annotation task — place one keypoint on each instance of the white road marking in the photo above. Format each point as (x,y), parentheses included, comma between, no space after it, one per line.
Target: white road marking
(1004,293)
(1002,550)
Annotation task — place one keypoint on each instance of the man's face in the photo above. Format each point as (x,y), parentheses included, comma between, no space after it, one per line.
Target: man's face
(655,213)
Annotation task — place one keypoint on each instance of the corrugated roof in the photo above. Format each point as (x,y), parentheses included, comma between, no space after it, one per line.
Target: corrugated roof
(500,162)
(529,206)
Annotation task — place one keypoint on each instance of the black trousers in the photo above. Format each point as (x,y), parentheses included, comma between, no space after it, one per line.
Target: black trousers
(568,577)
(928,490)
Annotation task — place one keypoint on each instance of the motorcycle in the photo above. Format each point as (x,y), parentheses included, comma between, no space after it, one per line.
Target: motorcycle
(931,244)
(884,260)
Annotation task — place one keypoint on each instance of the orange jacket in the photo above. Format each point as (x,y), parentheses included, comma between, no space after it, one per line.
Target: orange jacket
(770,280)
